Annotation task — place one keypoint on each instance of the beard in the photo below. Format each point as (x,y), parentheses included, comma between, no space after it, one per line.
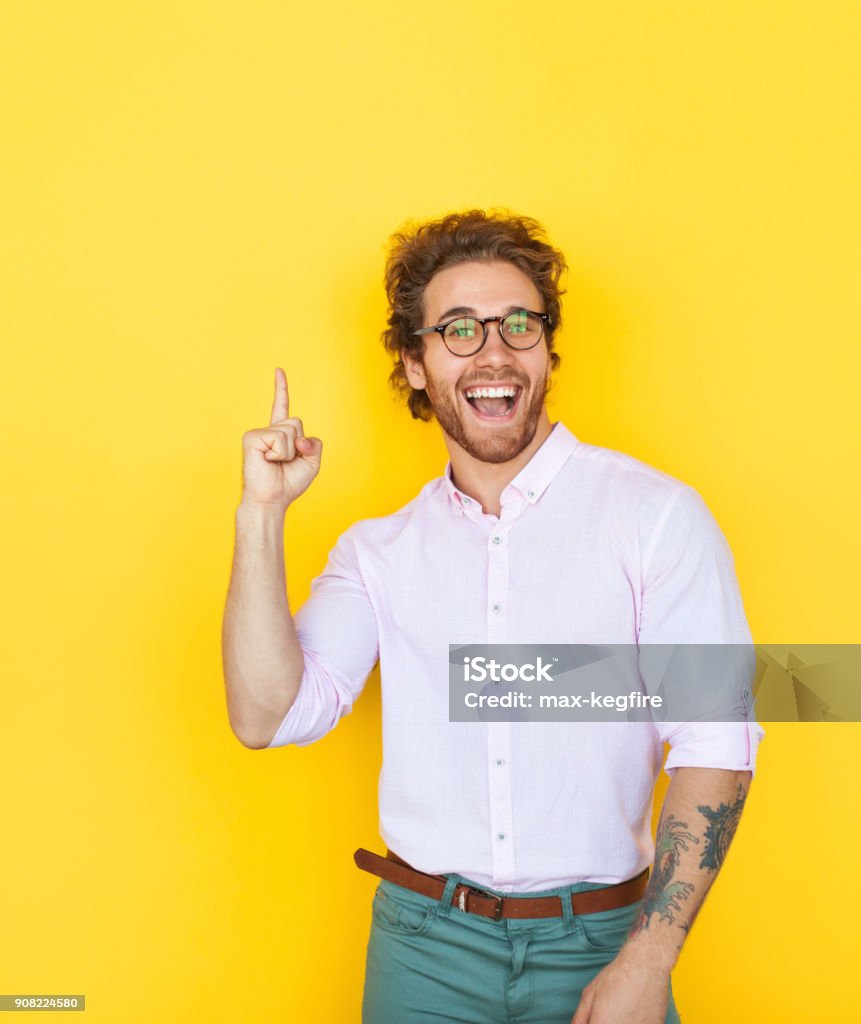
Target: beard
(488,443)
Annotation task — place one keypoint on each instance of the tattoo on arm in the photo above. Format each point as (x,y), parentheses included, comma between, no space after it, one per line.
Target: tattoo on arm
(723,821)
(664,896)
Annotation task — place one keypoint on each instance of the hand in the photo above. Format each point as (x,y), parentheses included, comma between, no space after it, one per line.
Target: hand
(279,462)
(628,991)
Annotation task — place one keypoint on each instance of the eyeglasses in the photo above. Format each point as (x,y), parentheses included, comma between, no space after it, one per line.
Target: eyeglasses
(520,329)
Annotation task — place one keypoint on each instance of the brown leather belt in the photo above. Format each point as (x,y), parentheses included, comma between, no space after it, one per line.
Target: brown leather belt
(478,901)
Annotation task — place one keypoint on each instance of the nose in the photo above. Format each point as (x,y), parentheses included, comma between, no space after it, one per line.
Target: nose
(494,352)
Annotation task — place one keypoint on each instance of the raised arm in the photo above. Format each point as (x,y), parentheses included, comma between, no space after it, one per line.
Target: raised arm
(262,657)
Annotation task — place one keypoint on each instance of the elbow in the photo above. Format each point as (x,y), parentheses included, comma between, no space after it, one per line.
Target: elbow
(254,724)
(255,743)
(255,732)
(251,740)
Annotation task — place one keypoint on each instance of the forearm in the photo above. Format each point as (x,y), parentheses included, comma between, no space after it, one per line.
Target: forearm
(698,820)
(262,657)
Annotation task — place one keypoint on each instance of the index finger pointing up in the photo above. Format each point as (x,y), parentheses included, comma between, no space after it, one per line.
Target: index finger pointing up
(281,402)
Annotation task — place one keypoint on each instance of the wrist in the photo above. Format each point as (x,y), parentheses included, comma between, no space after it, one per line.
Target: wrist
(263,510)
(657,952)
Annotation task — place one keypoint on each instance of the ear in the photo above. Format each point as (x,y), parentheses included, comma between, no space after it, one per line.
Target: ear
(414,370)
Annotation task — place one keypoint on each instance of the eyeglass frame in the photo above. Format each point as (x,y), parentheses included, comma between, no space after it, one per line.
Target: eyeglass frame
(484,321)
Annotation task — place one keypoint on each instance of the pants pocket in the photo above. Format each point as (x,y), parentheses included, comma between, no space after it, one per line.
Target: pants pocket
(397,910)
(606,931)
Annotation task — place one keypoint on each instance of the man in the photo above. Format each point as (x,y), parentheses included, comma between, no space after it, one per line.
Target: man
(515,882)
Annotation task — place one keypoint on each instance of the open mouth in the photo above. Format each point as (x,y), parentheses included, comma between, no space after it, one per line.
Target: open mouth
(496,404)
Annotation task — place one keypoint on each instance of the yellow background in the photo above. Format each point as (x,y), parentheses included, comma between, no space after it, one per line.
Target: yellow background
(193,194)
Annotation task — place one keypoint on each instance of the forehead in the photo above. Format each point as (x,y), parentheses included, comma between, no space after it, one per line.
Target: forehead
(486,288)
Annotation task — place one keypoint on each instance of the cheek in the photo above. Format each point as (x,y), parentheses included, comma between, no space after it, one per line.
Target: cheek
(436,387)
(439,381)
(542,370)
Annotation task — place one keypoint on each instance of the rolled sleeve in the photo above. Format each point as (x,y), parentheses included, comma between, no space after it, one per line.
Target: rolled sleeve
(730,745)
(690,595)
(337,630)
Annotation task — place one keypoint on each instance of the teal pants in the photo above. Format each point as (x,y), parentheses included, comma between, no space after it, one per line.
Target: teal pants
(429,961)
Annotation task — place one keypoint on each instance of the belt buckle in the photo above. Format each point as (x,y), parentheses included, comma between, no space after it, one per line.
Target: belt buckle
(497,910)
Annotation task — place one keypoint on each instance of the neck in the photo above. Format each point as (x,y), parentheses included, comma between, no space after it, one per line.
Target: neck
(485,481)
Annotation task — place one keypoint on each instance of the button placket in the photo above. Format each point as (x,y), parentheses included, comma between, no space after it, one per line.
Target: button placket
(497,577)
(501,824)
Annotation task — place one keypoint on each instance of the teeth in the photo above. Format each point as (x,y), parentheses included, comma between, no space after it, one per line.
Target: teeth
(490,392)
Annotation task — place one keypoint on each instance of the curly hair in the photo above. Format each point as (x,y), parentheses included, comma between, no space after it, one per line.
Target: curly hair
(417,252)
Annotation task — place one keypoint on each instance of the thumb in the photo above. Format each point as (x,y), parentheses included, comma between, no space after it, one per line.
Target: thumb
(310,447)
(584,1011)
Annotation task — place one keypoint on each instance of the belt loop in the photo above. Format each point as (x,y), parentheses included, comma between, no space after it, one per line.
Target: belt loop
(445,900)
(568,910)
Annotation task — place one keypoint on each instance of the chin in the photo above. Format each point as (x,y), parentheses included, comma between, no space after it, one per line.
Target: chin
(496,448)
(485,440)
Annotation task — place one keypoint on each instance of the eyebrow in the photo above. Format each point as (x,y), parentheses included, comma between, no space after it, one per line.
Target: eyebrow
(469,311)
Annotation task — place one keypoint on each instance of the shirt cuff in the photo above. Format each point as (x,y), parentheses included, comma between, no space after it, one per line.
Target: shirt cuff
(321,702)
(729,745)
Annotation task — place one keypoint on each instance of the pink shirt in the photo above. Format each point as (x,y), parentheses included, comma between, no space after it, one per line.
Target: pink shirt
(592,546)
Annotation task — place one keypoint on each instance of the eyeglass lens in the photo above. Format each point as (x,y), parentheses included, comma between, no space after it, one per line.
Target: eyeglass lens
(520,329)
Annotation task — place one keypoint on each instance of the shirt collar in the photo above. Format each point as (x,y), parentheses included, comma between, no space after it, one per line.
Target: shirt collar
(535,477)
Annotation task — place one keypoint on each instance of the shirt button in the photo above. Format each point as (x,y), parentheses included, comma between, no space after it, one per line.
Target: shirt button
(500,836)
(500,762)
(497,608)
(497,540)
(530,494)
(467,501)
